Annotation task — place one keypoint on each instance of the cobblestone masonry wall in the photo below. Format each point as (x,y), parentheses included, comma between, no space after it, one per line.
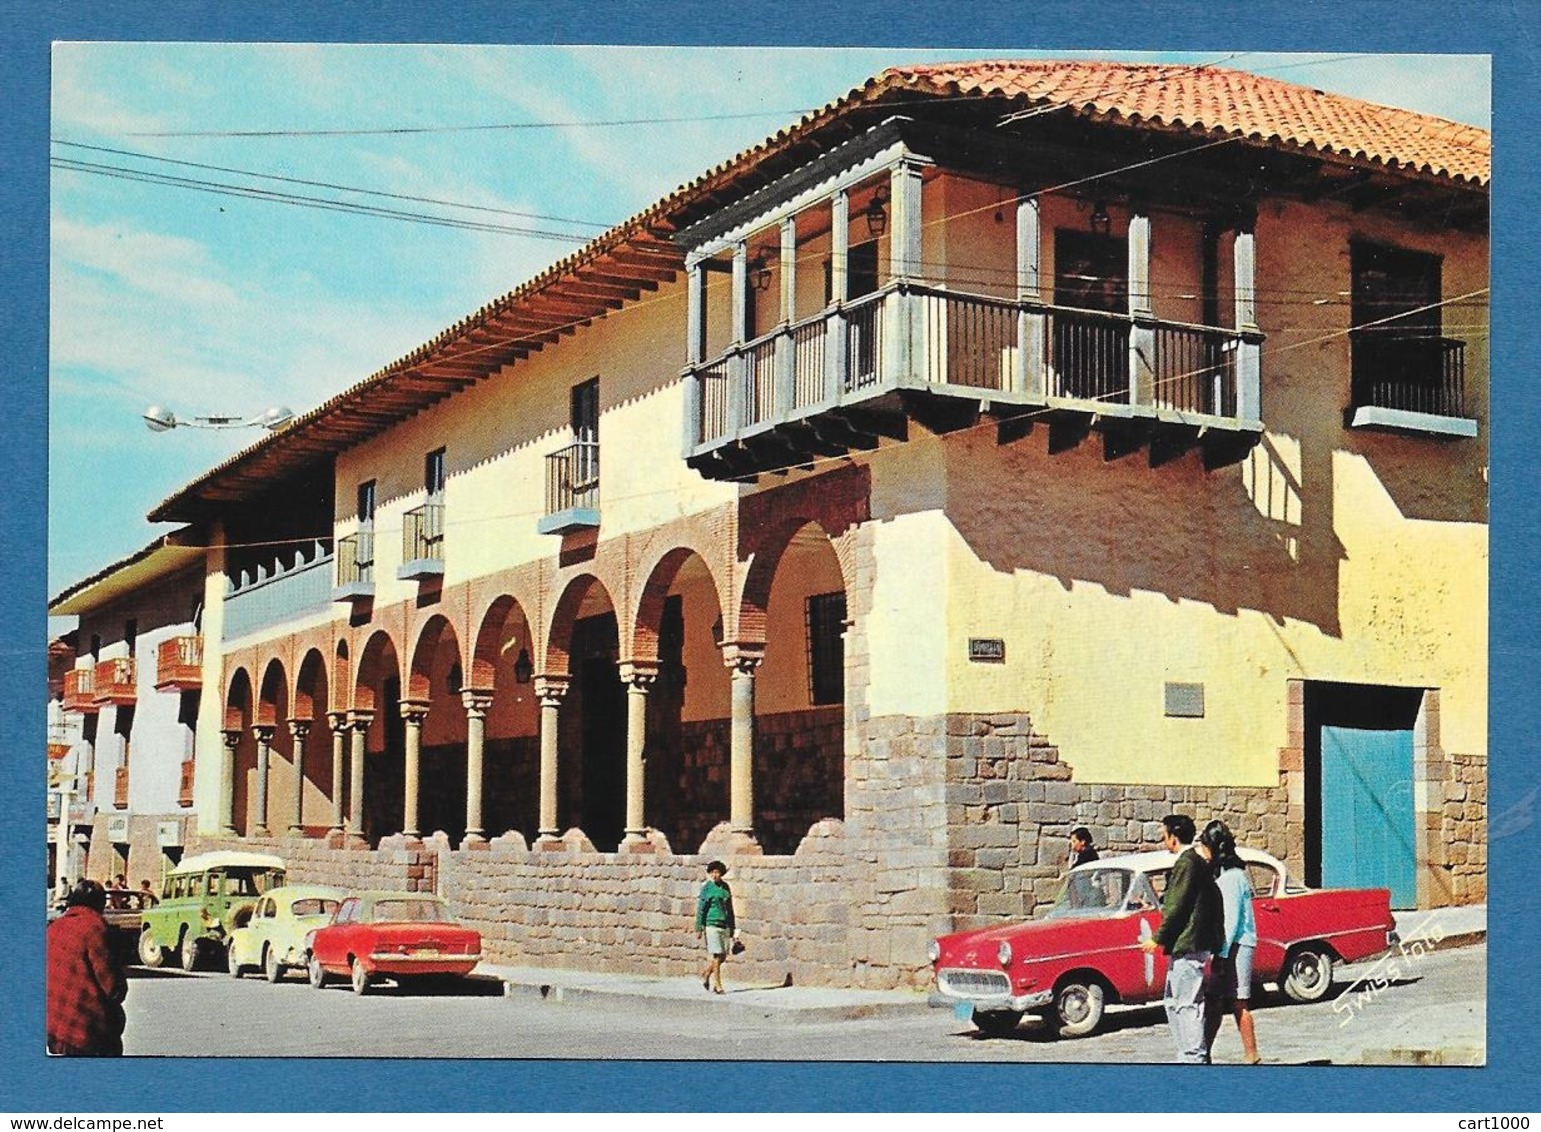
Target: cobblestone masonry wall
(1464,829)
(393,866)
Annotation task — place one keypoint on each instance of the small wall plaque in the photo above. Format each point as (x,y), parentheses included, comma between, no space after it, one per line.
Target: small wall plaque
(1185,701)
(168,834)
(989,650)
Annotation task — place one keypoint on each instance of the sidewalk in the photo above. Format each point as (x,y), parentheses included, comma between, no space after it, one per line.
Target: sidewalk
(1440,927)
(684,995)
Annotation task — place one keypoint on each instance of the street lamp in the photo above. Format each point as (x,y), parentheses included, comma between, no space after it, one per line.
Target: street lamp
(160,419)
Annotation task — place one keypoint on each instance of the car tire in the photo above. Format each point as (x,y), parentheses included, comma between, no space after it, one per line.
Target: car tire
(151,954)
(1307,975)
(996,1023)
(272,969)
(232,964)
(358,977)
(1078,1007)
(316,972)
(187,951)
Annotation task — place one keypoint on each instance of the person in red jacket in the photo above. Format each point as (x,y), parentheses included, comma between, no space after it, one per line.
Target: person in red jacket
(86,985)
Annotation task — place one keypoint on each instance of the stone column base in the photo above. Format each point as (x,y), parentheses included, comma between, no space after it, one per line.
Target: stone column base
(475,841)
(549,843)
(743,844)
(355,841)
(637,843)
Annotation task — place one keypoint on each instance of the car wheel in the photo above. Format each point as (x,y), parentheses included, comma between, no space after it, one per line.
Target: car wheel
(316,972)
(996,1023)
(359,976)
(232,963)
(272,969)
(187,951)
(1307,975)
(1078,1008)
(151,954)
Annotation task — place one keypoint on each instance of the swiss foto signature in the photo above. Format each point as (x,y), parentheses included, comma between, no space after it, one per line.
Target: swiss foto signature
(1400,961)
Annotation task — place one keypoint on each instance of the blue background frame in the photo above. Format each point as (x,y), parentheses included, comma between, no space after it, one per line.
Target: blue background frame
(1510,1080)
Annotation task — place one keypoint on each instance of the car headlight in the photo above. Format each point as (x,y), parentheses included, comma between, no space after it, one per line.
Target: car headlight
(934,952)
(1003,954)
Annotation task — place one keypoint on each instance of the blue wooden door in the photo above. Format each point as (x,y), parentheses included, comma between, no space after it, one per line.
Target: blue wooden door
(1367,812)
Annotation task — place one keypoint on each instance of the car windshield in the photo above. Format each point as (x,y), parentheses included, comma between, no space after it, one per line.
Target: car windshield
(1100,892)
(313,907)
(251,882)
(413,910)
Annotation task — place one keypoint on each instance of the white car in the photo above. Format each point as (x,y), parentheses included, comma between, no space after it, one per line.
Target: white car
(273,939)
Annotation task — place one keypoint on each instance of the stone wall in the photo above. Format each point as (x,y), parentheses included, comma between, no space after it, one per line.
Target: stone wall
(394,866)
(1464,830)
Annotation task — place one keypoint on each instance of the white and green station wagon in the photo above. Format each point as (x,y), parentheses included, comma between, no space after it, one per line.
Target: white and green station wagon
(202,900)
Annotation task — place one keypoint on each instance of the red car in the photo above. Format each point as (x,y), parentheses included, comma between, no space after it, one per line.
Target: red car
(401,935)
(1084,952)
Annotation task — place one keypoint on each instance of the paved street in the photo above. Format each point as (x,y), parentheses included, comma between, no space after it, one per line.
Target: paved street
(1435,1005)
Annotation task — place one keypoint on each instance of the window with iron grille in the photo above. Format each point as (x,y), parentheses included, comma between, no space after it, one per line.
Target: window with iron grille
(826,650)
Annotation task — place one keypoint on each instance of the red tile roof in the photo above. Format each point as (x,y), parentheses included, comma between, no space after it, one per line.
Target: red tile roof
(1214,100)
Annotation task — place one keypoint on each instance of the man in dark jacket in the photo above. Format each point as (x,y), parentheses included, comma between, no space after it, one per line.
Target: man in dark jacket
(86,985)
(1081,850)
(1192,920)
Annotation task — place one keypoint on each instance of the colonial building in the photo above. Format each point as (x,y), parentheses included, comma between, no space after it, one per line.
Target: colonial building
(131,688)
(1004,447)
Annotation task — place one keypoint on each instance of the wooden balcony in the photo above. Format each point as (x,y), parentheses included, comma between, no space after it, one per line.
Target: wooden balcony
(57,751)
(422,543)
(355,567)
(115,682)
(572,489)
(185,786)
(120,788)
(80,690)
(860,372)
(1409,381)
(179,664)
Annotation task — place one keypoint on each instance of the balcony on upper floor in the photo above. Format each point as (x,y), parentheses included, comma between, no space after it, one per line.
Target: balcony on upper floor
(291,586)
(422,543)
(355,567)
(572,489)
(1409,381)
(80,690)
(114,683)
(120,788)
(1007,309)
(185,784)
(179,664)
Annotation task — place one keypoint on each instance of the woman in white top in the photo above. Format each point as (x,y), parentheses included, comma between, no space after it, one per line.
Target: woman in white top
(1233,961)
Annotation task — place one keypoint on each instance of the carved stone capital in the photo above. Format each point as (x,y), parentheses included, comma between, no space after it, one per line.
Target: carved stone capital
(640,674)
(477,701)
(414,711)
(551,689)
(232,737)
(360,720)
(337,720)
(743,657)
(299,728)
(264,732)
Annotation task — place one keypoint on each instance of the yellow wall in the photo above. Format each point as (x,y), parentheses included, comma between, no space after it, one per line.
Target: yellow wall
(1330,554)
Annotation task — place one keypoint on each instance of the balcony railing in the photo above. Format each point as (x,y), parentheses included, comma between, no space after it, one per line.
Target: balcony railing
(572,488)
(179,664)
(115,682)
(422,543)
(185,785)
(1410,372)
(120,788)
(279,591)
(912,336)
(355,566)
(80,690)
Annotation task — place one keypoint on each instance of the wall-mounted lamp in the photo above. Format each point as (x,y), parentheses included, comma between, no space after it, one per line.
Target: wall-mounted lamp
(523,669)
(1101,223)
(759,273)
(876,213)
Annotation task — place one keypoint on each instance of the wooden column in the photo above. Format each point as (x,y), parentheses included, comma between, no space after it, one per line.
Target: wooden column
(786,360)
(1142,331)
(1249,384)
(1029,374)
(905,350)
(695,345)
(835,355)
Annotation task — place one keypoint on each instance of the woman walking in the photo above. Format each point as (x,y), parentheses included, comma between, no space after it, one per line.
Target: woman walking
(715,923)
(1234,958)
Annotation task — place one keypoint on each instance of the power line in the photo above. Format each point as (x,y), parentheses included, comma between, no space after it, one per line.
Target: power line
(388,130)
(329,185)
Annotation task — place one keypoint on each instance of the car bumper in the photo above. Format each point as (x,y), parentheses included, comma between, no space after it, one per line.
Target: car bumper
(986,990)
(392,963)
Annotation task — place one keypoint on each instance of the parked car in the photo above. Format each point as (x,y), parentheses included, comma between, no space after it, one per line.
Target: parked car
(401,935)
(123,913)
(273,938)
(202,900)
(1084,952)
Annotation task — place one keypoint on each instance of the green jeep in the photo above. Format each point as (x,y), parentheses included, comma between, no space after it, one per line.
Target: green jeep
(202,900)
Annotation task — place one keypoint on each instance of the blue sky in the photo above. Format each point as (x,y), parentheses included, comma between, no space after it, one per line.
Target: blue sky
(209,303)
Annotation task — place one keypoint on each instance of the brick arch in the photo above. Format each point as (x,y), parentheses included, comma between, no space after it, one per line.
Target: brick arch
(273,692)
(342,676)
(378,660)
(501,613)
(238,700)
(429,639)
(559,633)
(754,596)
(649,614)
(311,685)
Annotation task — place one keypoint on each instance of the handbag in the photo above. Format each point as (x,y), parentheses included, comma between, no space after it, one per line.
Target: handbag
(737,948)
